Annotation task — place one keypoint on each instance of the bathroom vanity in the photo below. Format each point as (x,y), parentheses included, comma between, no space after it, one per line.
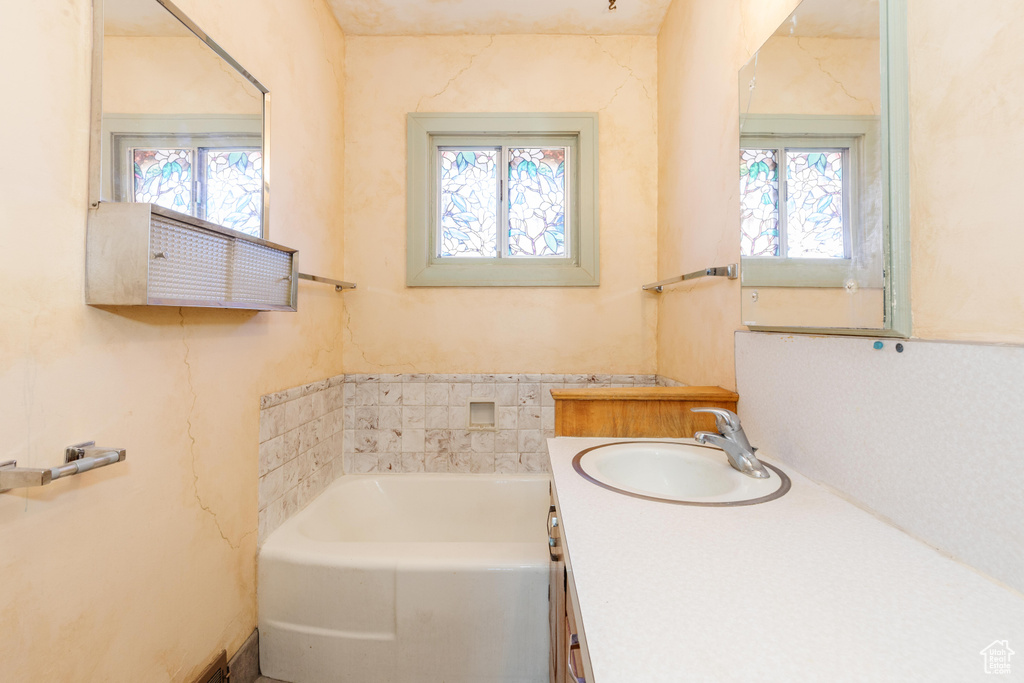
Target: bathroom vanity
(804,587)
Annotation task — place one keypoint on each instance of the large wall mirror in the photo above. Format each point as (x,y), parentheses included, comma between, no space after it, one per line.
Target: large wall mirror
(181,124)
(823,147)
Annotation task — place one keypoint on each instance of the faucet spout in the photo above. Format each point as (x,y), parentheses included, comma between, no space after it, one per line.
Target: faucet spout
(733,441)
(745,462)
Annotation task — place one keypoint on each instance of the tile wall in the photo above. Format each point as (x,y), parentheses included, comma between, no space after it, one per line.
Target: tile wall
(355,424)
(300,448)
(421,423)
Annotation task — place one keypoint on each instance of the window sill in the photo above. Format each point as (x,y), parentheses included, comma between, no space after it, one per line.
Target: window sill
(501,274)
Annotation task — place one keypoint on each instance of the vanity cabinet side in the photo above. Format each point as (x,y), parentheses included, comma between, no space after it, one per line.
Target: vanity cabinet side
(569,652)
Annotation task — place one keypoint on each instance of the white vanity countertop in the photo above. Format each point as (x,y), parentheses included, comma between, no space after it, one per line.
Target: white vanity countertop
(808,587)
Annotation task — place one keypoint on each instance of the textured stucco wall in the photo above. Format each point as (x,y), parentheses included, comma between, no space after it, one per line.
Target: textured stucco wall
(964,134)
(393,328)
(141,571)
(701,47)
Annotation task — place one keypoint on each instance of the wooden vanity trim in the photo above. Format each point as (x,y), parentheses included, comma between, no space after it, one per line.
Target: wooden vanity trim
(646,394)
(637,412)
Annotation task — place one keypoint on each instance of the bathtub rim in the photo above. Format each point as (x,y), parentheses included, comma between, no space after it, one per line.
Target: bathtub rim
(287,543)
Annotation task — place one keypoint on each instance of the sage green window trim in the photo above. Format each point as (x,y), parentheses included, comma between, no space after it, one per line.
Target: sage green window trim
(863,168)
(428,132)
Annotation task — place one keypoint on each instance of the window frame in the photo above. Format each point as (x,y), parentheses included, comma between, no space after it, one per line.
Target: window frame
(428,132)
(861,135)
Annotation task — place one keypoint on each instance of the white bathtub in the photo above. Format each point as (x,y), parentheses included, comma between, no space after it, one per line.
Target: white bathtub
(414,578)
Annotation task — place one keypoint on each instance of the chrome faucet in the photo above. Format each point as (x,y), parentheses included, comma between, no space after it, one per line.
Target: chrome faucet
(733,441)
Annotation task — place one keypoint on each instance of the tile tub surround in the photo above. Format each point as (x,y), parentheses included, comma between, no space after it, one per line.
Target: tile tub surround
(355,424)
(929,438)
(420,422)
(300,448)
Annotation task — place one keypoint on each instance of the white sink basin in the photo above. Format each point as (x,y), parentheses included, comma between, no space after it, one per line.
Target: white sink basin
(687,473)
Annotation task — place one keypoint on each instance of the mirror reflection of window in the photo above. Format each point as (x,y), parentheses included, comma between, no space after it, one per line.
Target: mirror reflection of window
(802,213)
(181,127)
(218,184)
(812,182)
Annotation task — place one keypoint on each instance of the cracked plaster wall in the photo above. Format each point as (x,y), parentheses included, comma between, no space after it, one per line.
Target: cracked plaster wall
(820,76)
(393,329)
(141,571)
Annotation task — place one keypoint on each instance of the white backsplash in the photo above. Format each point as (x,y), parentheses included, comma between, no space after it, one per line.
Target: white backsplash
(930,438)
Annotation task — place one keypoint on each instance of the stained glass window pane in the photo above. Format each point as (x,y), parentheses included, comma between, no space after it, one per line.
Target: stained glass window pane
(537,204)
(164,177)
(814,204)
(759,202)
(233,181)
(469,203)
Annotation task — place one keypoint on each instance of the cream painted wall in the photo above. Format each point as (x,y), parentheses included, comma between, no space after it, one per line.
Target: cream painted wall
(965,140)
(392,328)
(147,75)
(699,54)
(820,76)
(143,570)
(812,306)
(965,133)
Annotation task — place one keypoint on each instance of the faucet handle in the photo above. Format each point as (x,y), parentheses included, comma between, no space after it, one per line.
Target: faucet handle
(724,419)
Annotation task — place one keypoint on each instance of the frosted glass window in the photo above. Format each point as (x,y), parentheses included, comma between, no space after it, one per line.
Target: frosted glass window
(233,188)
(469,202)
(164,177)
(223,185)
(502,200)
(536,201)
(814,204)
(759,202)
(800,214)
(531,206)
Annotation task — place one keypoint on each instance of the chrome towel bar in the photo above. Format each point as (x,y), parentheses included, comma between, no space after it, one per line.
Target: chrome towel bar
(339,285)
(730,271)
(77,459)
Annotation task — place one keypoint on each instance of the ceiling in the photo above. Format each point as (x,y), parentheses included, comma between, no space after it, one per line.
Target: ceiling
(438,17)
(831,18)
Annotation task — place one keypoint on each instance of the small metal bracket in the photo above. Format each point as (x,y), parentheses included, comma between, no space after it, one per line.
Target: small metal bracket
(88,449)
(339,285)
(77,452)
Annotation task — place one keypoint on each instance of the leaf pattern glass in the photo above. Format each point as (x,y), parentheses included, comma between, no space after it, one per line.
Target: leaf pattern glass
(536,201)
(233,189)
(164,177)
(759,202)
(469,201)
(814,204)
